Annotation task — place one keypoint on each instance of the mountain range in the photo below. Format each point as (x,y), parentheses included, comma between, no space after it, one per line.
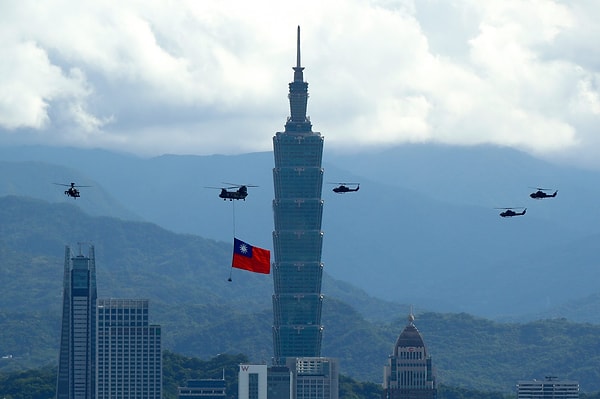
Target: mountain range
(422,230)
(202,314)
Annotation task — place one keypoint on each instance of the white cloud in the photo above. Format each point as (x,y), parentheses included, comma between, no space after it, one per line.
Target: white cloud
(206,77)
(29,83)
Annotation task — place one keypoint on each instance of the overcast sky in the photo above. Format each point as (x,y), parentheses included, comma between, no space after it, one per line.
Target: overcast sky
(205,77)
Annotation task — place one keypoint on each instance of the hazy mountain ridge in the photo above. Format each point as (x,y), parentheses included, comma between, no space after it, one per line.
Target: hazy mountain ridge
(421,230)
(39,179)
(185,279)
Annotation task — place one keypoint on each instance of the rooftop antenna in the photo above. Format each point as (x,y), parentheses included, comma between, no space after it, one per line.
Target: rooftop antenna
(298,49)
(80,246)
(298,77)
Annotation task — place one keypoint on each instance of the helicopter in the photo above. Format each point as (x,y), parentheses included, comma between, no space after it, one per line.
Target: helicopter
(541,193)
(343,188)
(240,194)
(72,191)
(508,212)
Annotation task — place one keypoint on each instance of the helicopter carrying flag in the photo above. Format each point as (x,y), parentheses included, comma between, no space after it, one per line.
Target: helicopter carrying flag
(240,191)
(248,257)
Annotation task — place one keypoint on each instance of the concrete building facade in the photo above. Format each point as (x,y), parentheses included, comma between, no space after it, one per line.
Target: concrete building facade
(549,388)
(315,377)
(203,389)
(252,381)
(129,351)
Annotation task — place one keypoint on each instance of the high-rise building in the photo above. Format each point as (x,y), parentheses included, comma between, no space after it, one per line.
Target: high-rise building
(76,363)
(252,381)
(549,388)
(408,374)
(129,358)
(297,237)
(315,377)
(300,378)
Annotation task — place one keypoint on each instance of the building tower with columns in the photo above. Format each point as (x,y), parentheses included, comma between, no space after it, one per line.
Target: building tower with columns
(408,373)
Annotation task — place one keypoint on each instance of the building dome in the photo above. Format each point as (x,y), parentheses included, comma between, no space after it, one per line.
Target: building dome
(408,373)
(410,337)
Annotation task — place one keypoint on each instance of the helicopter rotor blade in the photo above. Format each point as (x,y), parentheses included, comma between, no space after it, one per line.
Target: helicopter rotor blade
(233,185)
(69,185)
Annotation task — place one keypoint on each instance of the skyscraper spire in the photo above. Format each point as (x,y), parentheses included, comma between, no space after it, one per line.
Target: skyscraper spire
(298,49)
(297,237)
(298,68)
(298,96)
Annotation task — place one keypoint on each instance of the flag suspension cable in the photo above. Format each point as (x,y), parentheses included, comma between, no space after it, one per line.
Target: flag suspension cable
(233,218)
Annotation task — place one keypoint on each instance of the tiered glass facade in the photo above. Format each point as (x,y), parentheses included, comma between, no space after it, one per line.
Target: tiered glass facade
(297,238)
(76,372)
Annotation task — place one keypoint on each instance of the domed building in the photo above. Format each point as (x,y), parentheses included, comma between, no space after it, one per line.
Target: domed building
(408,374)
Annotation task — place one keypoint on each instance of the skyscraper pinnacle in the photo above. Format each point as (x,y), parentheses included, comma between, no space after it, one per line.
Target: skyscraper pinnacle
(298,96)
(298,49)
(298,68)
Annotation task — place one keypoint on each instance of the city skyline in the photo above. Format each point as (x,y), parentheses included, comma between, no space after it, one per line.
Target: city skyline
(107,348)
(572,328)
(297,329)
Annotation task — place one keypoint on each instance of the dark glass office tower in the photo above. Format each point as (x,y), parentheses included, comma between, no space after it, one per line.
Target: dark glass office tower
(297,238)
(76,363)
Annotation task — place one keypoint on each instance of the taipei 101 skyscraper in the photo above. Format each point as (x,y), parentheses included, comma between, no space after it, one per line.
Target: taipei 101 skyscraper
(297,238)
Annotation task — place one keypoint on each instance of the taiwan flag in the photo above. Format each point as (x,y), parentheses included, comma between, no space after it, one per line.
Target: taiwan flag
(247,257)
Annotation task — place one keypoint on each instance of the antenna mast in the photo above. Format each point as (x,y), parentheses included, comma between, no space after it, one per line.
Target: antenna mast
(298,49)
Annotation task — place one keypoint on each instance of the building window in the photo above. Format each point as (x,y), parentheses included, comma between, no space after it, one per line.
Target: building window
(253,386)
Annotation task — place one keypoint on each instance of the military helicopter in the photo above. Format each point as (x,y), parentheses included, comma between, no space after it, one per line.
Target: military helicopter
(72,191)
(541,193)
(343,188)
(240,194)
(508,213)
